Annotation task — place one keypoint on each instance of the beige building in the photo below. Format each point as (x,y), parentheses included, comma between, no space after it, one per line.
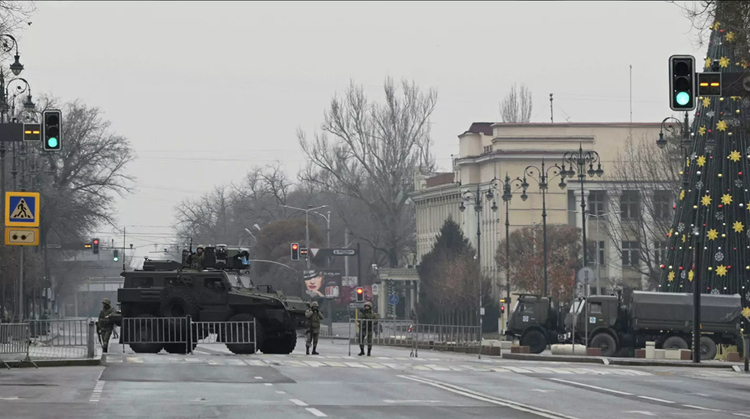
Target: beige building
(489,150)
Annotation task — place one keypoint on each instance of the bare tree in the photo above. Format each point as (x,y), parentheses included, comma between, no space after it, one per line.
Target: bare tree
(645,184)
(517,105)
(733,16)
(369,152)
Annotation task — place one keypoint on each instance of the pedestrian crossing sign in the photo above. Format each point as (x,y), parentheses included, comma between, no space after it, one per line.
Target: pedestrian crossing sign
(22,209)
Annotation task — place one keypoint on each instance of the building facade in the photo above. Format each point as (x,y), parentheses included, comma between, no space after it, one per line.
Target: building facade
(490,150)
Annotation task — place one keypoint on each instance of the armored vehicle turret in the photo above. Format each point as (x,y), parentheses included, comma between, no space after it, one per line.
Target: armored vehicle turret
(219,291)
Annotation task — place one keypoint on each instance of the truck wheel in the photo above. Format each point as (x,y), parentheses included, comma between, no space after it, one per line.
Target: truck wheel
(535,340)
(178,303)
(142,338)
(241,335)
(605,342)
(708,348)
(675,342)
(289,342)
(177,348)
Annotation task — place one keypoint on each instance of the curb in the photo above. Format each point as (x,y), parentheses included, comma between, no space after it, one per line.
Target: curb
(56,363)
(613,361)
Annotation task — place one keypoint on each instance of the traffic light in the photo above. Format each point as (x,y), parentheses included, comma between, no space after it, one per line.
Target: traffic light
(32,132)
(295,251)
(360,295)
(52,130)
(682,82)
(502,309)
(95,246)
(116,255)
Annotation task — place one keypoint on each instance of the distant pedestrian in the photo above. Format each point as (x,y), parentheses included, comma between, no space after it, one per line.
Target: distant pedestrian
(367,325)
(313,331)
(104,325)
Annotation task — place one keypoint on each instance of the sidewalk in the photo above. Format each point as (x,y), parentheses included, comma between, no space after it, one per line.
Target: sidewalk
(633,362)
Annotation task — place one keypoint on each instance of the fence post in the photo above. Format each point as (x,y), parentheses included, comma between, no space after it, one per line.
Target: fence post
(90,342)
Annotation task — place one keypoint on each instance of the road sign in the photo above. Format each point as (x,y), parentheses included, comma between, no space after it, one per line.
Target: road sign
(11,132)
(314,251)
(393,299)
(375,289)
(353,306)
(344,252)
(22,209)
(32,132)
(586,275)
(15,236)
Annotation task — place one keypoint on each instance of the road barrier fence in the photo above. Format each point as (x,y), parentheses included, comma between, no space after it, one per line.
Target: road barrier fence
(35,340)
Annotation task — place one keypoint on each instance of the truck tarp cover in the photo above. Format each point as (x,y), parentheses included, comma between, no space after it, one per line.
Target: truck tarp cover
(679,307)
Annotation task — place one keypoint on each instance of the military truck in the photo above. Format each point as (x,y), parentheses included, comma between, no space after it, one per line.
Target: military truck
(221,291)
(536,321)
(664,318)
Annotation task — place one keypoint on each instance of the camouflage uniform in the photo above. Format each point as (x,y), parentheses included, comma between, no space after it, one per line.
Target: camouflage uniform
(313,332)
(367,324)
(196,259)
(105,325)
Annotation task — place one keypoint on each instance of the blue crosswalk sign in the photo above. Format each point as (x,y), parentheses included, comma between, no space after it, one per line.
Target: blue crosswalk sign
(22,209)
(393,299)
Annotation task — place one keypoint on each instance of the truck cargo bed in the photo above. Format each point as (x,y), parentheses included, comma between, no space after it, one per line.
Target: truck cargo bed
(661,310)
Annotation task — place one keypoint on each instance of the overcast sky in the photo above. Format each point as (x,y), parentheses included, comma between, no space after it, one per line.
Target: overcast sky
(206,90)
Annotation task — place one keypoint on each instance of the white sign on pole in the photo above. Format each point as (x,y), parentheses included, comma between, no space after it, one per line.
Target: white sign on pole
(375,289)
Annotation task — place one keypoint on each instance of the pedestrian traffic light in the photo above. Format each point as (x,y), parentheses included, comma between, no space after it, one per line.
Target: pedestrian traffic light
(116,255)
(502,309)
(360,295)
(295,251)
(95,246)
(682,82)
(52,130)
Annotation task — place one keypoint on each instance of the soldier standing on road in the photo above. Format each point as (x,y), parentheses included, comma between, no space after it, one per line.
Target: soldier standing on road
(367,324)
(313,332)
(105,325)
(196,259)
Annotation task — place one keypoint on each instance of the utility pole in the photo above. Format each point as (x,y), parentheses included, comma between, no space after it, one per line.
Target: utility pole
(307,226)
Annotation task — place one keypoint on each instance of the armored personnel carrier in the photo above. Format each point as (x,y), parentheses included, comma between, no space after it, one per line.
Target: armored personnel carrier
(221,291)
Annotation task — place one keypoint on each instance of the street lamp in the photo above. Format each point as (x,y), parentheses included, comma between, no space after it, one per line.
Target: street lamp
(16,67)
(307,226)
(577,162)
(542,177)
(327,217)
(468,196)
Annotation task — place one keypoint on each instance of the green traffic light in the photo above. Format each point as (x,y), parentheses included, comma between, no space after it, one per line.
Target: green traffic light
(52,142)
(116,259)
(682,98)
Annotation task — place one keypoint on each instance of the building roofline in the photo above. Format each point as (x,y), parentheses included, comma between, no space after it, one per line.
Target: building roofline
(577,124)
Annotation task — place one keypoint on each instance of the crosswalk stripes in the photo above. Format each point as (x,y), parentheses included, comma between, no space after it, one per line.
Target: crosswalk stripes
(280,362)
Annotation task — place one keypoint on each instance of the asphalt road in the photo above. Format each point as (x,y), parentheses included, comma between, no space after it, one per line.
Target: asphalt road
(213,383)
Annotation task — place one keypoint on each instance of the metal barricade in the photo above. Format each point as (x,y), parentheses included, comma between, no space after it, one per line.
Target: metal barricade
(14,343)
(152,334)
(60,339)
(451,338)
(238,336)
(380,332)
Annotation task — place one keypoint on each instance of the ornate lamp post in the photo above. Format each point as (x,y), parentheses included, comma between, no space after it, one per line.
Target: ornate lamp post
(577,162)
(469,196)
(542,177)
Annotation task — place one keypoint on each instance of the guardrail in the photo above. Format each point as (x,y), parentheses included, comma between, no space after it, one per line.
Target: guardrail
(61,339)
(385,332)
(181,335)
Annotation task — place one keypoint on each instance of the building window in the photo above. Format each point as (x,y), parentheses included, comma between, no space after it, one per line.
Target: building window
(630,254)
(662,205)
(630,205)
(660,251)
(600,252)
(596,203)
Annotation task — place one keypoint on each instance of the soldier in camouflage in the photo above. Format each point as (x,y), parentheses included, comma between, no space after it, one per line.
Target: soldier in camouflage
(313,332)
(196,259)
(104,326)
(367,324)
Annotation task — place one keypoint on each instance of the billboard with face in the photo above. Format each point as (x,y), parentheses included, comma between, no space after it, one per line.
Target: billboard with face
(323,284)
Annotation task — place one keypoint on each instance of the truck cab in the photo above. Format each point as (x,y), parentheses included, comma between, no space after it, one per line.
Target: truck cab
(535,320)
(596,313)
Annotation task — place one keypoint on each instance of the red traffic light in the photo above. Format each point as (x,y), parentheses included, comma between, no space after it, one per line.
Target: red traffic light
(96,241)
(295,246)
(360,290)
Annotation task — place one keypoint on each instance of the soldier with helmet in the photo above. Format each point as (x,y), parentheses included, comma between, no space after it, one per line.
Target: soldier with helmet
(313,332)
(196,259)
(105,326)
(367,324)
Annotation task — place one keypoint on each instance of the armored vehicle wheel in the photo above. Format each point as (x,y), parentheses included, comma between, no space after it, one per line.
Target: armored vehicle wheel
(178,348)
(280,345)
(605,342)
(535,340)
(675,342)
(241,333)
(708,348)
(145,334)
(178,303)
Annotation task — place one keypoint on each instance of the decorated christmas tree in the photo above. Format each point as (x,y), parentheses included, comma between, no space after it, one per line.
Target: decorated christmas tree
(713,208)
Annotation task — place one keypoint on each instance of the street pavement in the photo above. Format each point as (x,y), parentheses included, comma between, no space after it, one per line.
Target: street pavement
(213,383)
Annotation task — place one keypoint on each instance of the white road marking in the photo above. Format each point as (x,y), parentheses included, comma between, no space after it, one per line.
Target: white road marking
(9,398)
(737,368)
(411,401)
(314,363)
(212,362)
(256,362)
(542,390)
(97,393)
(489,399)
(280,392)
(316,412)
(642,412)
(298,402)
(355,365)
(134,360)
(656,400)
(335,364)
(590,386)
(741,414)
(193,360)
(258,378)
(701,408)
